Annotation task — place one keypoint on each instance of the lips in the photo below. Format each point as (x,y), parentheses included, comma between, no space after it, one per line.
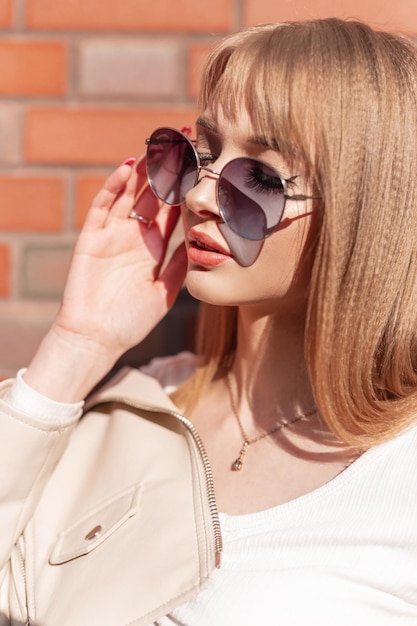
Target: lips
(205,252)
(202,241)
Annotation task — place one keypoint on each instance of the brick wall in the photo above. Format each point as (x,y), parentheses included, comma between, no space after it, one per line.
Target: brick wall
(81,85)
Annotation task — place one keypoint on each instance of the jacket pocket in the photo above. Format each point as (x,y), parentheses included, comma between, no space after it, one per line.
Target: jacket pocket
(93,529)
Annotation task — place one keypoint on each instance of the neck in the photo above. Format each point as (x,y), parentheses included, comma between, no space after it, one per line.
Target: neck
(269,368)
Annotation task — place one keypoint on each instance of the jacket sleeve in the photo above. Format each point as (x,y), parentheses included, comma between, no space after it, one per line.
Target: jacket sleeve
(29,451)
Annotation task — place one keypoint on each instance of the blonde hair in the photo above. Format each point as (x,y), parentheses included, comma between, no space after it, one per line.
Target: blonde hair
(341,100)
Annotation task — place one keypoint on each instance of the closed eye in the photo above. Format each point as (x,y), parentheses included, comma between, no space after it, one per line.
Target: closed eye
(262,179)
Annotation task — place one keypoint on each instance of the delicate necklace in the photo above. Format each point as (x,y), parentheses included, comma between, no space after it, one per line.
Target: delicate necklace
(238,464)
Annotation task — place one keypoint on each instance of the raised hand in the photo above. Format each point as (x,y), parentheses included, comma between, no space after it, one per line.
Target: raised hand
(116,292)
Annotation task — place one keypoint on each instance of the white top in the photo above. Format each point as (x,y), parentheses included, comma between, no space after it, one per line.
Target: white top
(342,555)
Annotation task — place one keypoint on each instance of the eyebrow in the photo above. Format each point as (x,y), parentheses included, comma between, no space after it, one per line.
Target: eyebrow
(260,140)
(205,122)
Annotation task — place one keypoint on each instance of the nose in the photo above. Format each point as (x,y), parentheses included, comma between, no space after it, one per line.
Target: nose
(202,198)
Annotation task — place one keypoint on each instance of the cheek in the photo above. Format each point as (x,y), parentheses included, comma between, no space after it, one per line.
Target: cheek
(279,262)
(282,268)
(284,254)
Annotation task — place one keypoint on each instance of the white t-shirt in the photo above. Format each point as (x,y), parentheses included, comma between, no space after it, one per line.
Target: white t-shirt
(343,555)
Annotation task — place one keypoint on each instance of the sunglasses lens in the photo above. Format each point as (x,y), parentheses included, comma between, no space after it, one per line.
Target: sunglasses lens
(171,165)
(251,197)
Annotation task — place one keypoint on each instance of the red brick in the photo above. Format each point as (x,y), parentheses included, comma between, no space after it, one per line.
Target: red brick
(197,56)
(31,203)
(400,15)
(36,68)
(45,270)
(6,13)
(22,326)
(92,135)
(87,186)
(134,68)
(5,268)
(131,15)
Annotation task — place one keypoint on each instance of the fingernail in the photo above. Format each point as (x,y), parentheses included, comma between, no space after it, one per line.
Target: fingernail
(186,130)
(129,161)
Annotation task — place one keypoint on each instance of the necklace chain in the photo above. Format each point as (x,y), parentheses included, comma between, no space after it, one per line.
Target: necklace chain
(238,463)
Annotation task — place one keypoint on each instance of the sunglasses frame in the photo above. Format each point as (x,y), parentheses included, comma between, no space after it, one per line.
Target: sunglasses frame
(199,168)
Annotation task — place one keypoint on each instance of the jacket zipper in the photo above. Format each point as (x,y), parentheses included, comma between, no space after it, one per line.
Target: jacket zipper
(22,564)
(218,540)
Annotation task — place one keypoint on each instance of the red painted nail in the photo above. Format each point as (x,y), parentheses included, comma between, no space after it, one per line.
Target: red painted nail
(129,161)
(186,130)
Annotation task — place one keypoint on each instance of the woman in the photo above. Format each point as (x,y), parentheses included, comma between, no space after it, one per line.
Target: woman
(297,418)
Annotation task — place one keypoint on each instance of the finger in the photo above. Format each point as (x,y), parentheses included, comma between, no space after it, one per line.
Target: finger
(146,203)
(124,202)
(141,176)
(140,167)
(163,220)
(103,202)
(136,187)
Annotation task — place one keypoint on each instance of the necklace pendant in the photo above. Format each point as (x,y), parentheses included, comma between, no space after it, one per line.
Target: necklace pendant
(237,465)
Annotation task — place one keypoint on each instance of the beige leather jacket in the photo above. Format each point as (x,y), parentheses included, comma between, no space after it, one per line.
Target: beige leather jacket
(112,521)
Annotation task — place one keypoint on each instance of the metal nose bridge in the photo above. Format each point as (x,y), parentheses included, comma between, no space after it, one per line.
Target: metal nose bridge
(208,169)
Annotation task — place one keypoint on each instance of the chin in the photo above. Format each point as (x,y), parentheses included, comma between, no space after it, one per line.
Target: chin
(201,286)
(270,299)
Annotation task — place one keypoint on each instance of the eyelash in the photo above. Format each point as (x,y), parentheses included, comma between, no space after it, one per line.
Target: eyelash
(259,181)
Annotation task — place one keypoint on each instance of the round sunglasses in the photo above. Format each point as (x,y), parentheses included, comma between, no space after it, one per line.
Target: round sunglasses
(251,195)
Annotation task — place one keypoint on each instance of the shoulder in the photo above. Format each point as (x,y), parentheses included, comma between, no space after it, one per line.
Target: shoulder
(171,371)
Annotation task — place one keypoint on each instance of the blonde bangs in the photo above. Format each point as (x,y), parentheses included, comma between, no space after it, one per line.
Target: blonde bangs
(252,72)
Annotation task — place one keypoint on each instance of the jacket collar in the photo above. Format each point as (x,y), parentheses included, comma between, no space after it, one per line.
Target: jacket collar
(132,386)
